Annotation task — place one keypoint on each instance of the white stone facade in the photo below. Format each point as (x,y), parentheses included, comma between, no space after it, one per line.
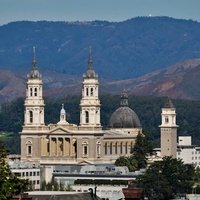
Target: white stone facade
(65,143)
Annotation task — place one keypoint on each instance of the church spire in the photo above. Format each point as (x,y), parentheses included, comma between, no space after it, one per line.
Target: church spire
(90,60)
(34,62)
(90,73)
(34,71)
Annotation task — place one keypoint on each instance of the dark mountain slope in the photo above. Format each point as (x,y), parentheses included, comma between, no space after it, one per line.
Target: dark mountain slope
(129,49)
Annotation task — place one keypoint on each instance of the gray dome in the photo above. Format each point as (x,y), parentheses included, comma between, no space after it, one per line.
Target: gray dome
(124,117)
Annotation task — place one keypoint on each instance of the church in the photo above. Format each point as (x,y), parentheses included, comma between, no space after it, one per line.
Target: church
(85,143)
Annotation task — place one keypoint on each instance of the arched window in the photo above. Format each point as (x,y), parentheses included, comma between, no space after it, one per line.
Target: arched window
(31,92)
(85,149)
(29,148)
(86,117)
(35,92)
(166,119)
(91,92)
(106,148)
(31,116)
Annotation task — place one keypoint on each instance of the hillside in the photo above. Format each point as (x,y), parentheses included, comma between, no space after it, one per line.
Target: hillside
(179,81)
(130,48)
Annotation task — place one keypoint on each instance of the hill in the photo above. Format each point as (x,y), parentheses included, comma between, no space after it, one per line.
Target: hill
(130,48)
(179,81)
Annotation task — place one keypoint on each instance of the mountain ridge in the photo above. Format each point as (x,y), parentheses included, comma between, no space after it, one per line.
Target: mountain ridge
(179,81)
(131,48)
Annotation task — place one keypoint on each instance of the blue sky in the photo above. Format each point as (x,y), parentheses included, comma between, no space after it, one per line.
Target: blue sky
(87,10)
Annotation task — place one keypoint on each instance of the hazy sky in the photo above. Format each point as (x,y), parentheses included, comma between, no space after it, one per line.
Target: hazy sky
(87,10)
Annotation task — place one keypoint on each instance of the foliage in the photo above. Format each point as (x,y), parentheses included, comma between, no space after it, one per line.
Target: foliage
(9,183)
(142,149)
(129,162)
(148,110)
(167,178)
(138,159)
(53,186)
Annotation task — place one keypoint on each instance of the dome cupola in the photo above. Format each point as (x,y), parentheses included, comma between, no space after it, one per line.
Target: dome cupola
(124,117)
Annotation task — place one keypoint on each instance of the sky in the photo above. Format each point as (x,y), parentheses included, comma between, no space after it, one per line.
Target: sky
(89,10)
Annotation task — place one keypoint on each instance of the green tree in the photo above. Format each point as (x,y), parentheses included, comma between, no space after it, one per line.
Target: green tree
(167,178)
(142,148)
(9,183)
(129,162)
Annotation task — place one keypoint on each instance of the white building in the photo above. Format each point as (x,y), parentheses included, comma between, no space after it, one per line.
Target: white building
(25,170)
(190,154)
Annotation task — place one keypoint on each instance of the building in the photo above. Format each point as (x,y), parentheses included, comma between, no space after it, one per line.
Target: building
(168,130)
(25,170)
(86,143)
(190,154)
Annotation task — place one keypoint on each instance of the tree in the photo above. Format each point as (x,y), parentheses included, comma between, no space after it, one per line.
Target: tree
(9,183)
(141,149)
(167,178)
(129,162)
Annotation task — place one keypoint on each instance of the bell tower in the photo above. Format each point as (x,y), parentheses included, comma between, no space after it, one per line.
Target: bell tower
(34,103)
(90,103)
(168,130)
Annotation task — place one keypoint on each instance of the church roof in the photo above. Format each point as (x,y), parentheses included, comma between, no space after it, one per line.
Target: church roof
(90,73)
(168,103)
(124,117)
(34,74)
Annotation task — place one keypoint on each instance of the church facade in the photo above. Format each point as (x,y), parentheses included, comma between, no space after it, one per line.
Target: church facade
(65,143)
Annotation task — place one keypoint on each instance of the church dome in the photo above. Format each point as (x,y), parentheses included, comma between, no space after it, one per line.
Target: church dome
(124,117)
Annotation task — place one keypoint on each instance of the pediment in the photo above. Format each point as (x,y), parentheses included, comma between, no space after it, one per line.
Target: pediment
(59,130)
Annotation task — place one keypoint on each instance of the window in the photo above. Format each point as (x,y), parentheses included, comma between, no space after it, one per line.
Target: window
(31,92)
(35,92)
(34,173)
(30,173)
(85,149)
(38,173)
(116,148)
(91,91)
(38,182)
(111,148)
(26,173)
(29,150)
(166,119)
(87,92)
(106,148)
(86,117)
(31,116)
(121,148)
(29,147)
(126,148)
